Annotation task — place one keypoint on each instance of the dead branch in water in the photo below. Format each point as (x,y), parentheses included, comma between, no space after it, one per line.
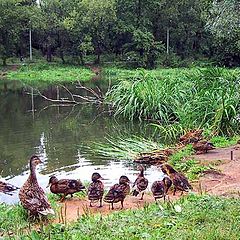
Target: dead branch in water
(74,99)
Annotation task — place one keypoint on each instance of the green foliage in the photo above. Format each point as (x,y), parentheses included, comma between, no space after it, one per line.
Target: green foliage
(124,148)
(12,219)
(183,162)
(223,24)
(50,73)
(183,219)
(199,98)
(221,141)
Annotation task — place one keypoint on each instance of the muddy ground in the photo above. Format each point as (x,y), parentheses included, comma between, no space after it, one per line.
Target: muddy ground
(223,181)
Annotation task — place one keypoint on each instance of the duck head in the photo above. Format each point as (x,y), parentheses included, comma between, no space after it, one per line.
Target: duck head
(167,169)
(34,161)
(124,180)
(96,176)
(52,180)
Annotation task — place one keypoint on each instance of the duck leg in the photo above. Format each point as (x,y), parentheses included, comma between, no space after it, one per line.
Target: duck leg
(174,191)
(142,196)
(122,204)
(62,198)
(90,205)
(112,206)
(100,202)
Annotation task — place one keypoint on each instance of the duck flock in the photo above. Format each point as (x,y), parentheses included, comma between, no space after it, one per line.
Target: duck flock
(34,199)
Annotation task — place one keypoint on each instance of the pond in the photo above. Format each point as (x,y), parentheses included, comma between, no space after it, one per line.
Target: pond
(59,135)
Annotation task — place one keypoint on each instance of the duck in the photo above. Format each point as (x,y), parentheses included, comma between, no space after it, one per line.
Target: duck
(65,186)
(140,184)
(7,188)
(96,189)
(160,188)
(118,192)
(32,196)
(202,146)
(179,181)
(191,136)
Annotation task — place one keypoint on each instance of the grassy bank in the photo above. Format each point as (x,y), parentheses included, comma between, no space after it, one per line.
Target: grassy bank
(191,217)
(50,73)
(183,99)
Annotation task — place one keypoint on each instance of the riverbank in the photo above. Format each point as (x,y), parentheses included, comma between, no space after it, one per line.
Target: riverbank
(47,73)
(178,218)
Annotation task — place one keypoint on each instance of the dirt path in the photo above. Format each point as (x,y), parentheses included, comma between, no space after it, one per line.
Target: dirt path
(225,182)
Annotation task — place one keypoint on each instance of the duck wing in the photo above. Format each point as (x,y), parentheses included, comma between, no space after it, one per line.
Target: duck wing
(95,191)
(158,189)
(142,184)
(181,182)
(33,198)
(117,193)
(67,186)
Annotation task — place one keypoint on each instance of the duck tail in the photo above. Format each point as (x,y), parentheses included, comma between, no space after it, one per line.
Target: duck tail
(135,192)
(48,211)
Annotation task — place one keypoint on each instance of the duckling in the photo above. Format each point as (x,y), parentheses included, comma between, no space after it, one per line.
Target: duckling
(118,192)
(32,196)
(140,183)
(160,188)
(179,181)
(96,189)
(202,146)
(65,186)
(7,188)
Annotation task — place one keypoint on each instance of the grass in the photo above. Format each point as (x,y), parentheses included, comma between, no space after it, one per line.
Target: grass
(124,148)
(189,98)
(191,217)
(50,73)
(220,141)
(182,161)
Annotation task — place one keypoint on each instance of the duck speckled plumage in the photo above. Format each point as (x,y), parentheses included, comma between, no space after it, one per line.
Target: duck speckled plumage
(140,184)
(7,188)
(31,195)
(179,181)
(118,192)
(96,189)
(160,188)
(65,186)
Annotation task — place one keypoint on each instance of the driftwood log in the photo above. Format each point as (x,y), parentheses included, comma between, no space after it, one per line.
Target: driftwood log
(155,157)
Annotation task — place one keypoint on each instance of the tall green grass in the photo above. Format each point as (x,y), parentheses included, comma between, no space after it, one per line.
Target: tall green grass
(200,98)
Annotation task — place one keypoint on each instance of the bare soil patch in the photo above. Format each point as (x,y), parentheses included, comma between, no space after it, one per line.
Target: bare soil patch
(224,181)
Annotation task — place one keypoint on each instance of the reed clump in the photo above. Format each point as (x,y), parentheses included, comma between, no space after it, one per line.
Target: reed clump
(198,98)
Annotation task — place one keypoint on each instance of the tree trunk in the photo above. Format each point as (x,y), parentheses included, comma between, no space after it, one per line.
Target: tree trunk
(4,61)
(49,54)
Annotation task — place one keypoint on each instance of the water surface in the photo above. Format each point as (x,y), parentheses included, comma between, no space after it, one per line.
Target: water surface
(58,134)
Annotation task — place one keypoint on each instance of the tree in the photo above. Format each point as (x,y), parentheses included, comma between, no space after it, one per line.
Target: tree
(223,22)
(13,22)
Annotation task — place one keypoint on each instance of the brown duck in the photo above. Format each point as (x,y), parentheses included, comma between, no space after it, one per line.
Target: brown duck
(202,146)
(32,195)
(65,186)
(118,192)
(179,181)
(191,136)
(96,189)
(160,188)
(140,184)
(7,188)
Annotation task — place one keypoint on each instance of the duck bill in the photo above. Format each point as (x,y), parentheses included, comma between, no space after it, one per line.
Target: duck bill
(101,178)
(48,185)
